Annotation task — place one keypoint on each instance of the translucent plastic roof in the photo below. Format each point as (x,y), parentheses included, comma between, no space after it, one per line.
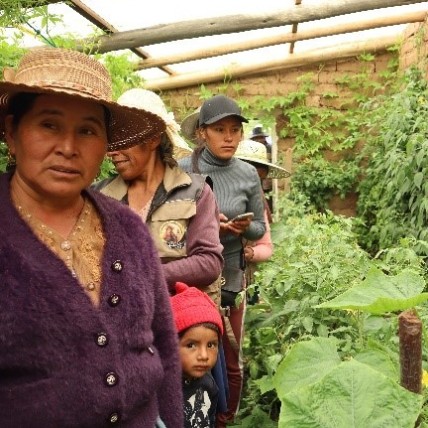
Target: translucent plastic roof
(125,15)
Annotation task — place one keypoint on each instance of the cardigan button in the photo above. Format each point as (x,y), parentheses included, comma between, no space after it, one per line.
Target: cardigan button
(102,339)
(114,418)
(114,300)
(111,379)
(117,266)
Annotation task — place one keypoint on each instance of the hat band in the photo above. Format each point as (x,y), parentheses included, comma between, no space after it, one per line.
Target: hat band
(68,86)
(69,78)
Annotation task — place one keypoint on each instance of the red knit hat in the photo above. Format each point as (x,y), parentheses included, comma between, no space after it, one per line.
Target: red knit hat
(191,306)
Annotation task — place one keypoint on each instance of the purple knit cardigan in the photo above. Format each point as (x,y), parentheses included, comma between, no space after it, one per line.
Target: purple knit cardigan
(65,363)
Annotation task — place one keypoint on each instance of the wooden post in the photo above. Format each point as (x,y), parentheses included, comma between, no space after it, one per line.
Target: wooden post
(410,335)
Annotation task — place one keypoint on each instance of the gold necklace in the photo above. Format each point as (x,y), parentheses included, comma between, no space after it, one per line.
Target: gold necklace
(51,237)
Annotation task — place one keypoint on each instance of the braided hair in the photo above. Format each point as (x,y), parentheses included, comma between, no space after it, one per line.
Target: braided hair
(166,150)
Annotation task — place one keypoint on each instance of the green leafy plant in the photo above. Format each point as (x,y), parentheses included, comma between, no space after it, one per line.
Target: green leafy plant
(316,259)
(393,193)
(379,293)
(122,70)
(320,180)
(318,390)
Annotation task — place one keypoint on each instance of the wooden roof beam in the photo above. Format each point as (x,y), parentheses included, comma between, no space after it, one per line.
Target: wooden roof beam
(313,33)
(85,11)
(235,23)
(234,71)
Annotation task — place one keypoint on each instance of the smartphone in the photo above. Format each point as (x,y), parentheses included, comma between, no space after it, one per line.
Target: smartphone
(244,216)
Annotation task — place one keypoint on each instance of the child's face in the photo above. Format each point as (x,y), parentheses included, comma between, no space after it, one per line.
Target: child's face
(198,351)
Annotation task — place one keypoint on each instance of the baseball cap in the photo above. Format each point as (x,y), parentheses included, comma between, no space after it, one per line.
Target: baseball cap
(217,108)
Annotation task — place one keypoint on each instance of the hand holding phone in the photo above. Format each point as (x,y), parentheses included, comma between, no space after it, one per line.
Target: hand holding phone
(248,215)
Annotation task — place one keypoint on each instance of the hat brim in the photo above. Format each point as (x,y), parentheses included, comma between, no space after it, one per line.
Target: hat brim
(127,124)
(261,134)
(180,147)
(189,125)
(222,116)
(275,171)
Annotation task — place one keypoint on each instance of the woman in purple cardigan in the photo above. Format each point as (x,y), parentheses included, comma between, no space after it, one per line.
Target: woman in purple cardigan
(86,332)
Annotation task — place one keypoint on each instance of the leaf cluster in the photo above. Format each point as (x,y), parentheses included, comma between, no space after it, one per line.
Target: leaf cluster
(316,259)
(320,179)
(327,139)
(393,201)
(317,390)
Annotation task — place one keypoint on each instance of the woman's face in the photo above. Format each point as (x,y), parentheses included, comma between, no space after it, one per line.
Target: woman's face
(223,137)
(133,163)
(58,144)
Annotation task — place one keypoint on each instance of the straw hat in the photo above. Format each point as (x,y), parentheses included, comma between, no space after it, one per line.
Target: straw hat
(148,100)
(256,152)
(50,70)
(189,125)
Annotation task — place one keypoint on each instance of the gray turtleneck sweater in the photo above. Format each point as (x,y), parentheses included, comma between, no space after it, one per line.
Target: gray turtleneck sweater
(237,190)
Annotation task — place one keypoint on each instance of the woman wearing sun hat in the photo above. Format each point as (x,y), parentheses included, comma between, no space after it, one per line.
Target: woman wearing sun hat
(87,335)
(255,153)
(179,207)
(238,191)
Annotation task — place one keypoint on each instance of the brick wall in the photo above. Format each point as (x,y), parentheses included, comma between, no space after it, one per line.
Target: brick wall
(414,50)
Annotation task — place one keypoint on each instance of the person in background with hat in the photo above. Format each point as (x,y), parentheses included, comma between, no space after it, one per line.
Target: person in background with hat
(237,189)
(259,135)
(255,154)
(179,207)
(87,334)
(190,127)
(199,327)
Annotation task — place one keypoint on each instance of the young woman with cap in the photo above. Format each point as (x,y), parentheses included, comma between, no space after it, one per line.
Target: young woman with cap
(87,338)
(237,189)
(179,207)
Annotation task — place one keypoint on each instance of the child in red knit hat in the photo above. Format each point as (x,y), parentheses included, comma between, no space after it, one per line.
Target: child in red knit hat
(199,328)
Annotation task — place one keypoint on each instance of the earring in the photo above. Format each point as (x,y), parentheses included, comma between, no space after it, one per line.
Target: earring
(11,161)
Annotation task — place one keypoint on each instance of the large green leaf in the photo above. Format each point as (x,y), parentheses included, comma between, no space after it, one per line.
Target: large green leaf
(352,395)
(381,361)
(380,293)
(306,363)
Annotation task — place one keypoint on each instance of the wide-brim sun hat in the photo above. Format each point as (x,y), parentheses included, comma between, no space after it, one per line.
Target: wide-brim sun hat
(217,108)
(189,125)
(48,70)
(253,151)
(152,102)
